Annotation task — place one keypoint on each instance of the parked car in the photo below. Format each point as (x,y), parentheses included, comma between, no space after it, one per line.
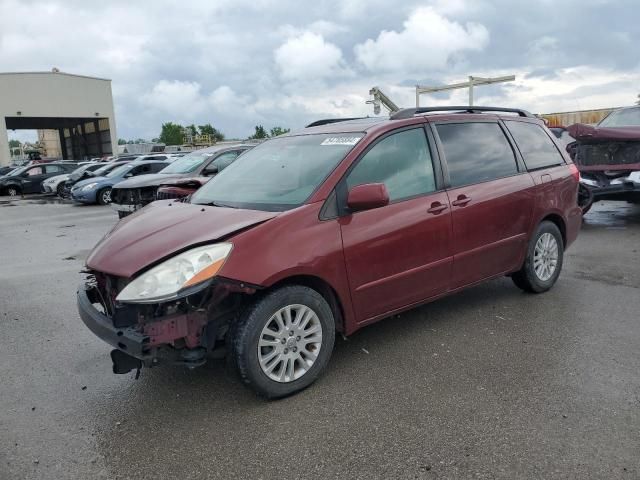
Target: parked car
(98,189)
(135,193)
(608,157)
(328,230)
(56,184)
(29,179)
(89,171)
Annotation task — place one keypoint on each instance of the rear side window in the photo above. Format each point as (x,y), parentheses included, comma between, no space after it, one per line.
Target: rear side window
(401,161)
(537,149)
(476,152)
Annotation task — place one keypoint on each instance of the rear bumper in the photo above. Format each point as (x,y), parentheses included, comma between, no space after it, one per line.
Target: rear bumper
(127,340)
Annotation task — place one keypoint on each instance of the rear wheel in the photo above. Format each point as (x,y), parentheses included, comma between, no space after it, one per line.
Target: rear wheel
(543,263)
(283,342)
(104,196)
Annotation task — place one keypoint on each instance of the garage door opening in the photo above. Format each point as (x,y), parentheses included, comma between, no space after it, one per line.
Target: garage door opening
(78,138)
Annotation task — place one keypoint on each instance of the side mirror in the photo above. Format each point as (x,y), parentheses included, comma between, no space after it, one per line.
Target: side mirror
(210,170)
(128,175)
(367,197)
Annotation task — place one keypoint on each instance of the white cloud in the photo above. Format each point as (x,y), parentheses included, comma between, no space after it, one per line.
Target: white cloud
(427,42)
(309,57)
(182,99)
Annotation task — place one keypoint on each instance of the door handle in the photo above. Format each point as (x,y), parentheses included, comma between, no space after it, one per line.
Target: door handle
(436,208)
(461,201)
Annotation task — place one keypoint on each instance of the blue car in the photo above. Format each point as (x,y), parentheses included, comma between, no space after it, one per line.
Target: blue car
(98,189)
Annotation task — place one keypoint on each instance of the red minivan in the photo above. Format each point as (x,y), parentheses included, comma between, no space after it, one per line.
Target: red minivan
(327,230)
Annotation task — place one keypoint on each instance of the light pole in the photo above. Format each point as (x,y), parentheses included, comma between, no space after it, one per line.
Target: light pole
(473,82)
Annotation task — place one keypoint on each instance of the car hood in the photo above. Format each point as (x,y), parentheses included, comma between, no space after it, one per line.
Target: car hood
(150,180)
(99,180)
(586,133)
(164,228)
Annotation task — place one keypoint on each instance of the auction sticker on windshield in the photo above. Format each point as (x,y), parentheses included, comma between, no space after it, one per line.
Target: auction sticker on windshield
(340,141)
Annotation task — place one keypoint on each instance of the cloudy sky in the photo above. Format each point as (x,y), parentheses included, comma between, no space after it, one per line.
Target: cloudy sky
(238,63)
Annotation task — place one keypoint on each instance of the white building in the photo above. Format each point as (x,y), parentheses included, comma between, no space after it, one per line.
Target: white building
(80,108)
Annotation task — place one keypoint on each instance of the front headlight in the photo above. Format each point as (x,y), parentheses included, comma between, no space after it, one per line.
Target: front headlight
(90,186)
(163,282)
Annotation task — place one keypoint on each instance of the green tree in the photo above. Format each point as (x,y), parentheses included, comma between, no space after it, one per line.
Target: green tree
(14,143)
(141,140)
(275,131)
(208,129)
(122,141)
(191,129)
(171,134)
(260,133)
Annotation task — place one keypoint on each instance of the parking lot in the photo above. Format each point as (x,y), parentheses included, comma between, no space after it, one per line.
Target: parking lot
(490,383)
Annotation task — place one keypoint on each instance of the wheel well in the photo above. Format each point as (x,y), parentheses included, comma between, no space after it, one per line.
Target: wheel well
(323,288)
(559,222)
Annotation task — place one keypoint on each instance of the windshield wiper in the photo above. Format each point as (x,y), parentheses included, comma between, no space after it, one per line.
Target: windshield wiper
(216,204)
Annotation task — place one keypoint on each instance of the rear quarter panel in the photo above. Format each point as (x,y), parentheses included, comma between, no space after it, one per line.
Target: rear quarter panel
(558,196)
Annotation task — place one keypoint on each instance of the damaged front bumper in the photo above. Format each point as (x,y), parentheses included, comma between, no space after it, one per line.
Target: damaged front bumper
(605,187)
(179,335)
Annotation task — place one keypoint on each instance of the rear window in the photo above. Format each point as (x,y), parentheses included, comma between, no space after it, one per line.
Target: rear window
(476,152)
(536,147)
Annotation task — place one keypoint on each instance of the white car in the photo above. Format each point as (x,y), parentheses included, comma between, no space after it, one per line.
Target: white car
(55,184)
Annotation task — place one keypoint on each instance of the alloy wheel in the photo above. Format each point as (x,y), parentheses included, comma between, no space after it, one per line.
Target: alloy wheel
(289,343)
(12,192)
(106,196)
(545,256)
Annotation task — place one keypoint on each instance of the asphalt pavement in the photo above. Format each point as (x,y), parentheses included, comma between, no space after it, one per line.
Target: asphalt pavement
(489,383)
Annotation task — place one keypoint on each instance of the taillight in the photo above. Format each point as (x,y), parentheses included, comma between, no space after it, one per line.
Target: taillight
(574,171)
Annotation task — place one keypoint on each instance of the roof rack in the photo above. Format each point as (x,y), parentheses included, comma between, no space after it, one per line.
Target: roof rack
(326,121)
(410,112)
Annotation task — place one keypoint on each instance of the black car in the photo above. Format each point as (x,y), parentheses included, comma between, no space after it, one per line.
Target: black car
(29,179)
(133,194)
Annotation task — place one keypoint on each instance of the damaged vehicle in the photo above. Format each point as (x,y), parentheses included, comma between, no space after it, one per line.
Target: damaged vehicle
(608,157)
(327,230)
(135,193)
(180,188)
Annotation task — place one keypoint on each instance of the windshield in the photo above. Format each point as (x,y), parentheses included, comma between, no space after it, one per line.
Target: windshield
(279,174)
(120,171)
(16,171)
(188,163)
(627,117)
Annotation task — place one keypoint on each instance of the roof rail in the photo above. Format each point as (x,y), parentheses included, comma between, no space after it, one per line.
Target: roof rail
(326,121)
(410,112)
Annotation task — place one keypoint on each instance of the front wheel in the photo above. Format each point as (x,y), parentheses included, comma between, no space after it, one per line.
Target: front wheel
(13,191)
(104,196)
(60,190)
(543,263)
(283,341)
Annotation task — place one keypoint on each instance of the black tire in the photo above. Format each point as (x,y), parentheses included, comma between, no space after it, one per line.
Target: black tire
(526,278)
(13,191)
(101,196)
(60,189)
(247,329)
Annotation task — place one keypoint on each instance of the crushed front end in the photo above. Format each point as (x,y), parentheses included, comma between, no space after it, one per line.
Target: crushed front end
(183,331)
(609,162)
(128,200)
